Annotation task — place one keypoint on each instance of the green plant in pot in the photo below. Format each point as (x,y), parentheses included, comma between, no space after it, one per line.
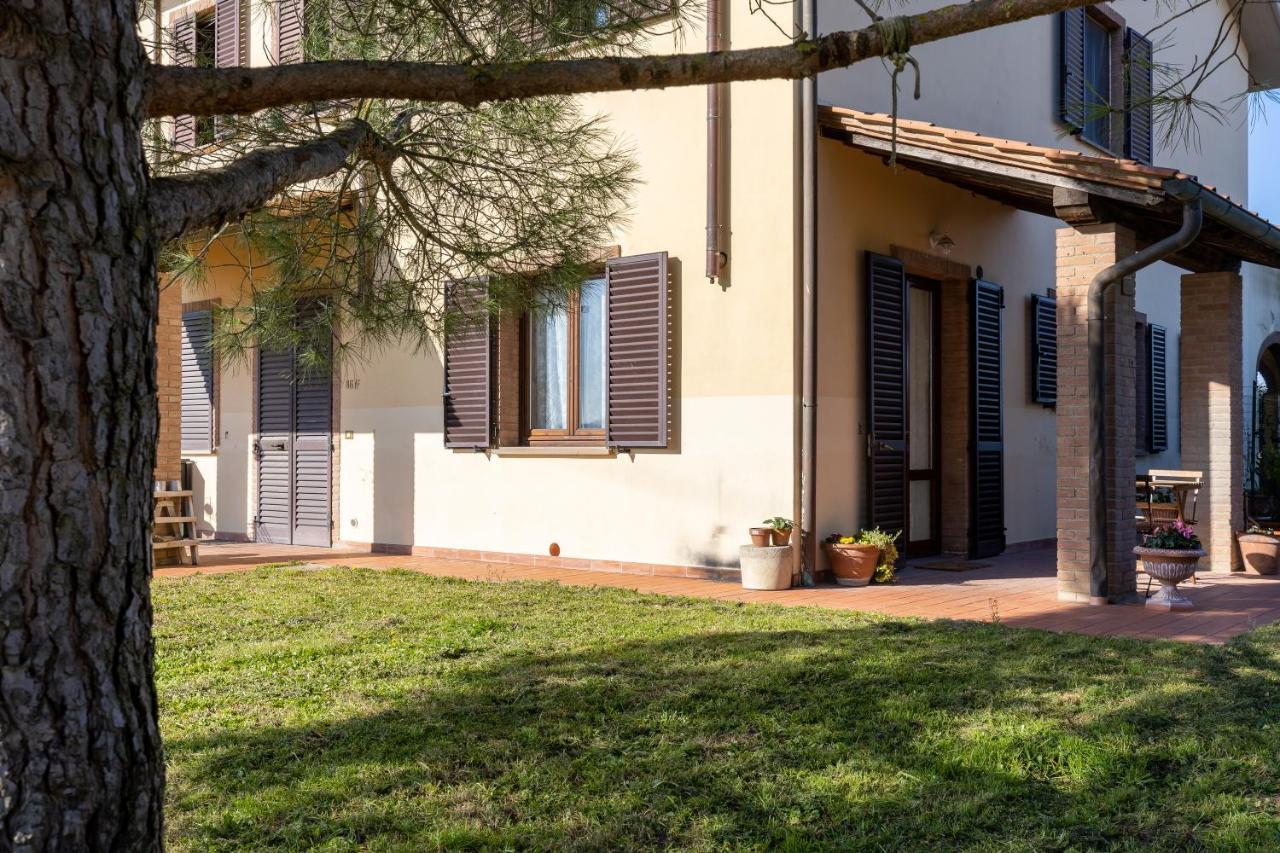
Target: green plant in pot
(866,556)
(781,529)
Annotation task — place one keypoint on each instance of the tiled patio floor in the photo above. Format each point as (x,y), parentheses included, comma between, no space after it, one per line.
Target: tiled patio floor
(1016,589)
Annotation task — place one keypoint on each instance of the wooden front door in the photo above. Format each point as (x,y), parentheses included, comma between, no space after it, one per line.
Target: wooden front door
(294,451)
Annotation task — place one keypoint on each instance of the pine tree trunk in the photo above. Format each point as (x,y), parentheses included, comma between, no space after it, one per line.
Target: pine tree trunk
(81,766)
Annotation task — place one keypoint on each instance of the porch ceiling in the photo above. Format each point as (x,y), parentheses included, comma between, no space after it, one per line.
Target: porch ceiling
(1066,185)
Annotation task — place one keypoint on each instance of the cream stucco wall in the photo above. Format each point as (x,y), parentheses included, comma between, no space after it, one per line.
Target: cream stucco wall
(730,460)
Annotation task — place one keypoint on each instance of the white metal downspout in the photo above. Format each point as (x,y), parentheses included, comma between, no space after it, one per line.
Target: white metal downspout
(804,546)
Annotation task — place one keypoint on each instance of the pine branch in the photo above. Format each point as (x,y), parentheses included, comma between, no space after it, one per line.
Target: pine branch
(174,90)
(183,203)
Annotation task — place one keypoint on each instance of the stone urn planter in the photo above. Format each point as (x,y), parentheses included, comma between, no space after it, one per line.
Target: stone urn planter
(767,567)
(1259,552)
(853,565)
(1170,567)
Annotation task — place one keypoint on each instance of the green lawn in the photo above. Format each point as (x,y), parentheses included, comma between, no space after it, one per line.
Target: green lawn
(350,709)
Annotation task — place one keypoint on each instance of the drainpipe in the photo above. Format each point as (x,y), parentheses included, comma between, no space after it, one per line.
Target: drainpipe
(805,548)
(1192,219)
(717,97)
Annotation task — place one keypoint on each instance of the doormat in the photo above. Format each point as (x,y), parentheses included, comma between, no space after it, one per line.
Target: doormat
(953,566)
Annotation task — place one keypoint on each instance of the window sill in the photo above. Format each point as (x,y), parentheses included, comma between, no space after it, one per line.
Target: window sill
(553,450)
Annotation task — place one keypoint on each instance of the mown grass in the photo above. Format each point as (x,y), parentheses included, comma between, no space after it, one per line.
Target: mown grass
(349,709)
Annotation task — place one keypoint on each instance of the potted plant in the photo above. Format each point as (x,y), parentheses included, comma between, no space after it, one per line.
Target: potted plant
(1259,550)
(780,529)
(857,560)
(761,536)
(1170,554)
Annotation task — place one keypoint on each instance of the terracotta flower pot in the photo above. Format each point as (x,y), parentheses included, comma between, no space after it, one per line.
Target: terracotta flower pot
(853,565)
(1170,567)
(761,536)
(781,537)
(1259,552)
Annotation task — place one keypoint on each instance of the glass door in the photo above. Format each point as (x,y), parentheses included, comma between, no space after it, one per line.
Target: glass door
(923,510)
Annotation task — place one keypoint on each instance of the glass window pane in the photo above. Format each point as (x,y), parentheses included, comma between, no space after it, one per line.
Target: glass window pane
(920,394)
(591,368)
(1097,77)
(548,369)
(921,510)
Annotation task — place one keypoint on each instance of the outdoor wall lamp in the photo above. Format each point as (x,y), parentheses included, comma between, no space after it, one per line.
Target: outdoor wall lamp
(942,243)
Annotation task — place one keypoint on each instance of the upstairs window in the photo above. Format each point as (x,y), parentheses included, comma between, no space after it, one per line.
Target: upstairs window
(1097,76)
(1106,82)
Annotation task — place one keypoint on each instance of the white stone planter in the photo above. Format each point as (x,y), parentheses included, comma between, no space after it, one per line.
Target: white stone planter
(1170,568)
(767,567)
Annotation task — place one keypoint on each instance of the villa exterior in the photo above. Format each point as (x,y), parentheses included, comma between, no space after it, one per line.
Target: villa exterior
(649,430)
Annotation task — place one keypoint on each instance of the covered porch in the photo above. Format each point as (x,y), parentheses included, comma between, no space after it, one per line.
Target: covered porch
(1017,590)
(1112,212)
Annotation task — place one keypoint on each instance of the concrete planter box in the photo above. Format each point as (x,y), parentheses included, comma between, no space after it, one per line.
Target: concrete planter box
(766,567)
(1170,567)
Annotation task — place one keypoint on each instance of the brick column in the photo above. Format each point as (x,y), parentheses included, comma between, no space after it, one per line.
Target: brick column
(1212,408)
(953,417)
(169,383)
(1083,252)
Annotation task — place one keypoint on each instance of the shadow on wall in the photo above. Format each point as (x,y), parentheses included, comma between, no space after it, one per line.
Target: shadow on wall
(394,471)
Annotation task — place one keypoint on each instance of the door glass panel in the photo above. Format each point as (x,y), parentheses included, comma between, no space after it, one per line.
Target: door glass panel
(921,379)
(591,333)
(921,510)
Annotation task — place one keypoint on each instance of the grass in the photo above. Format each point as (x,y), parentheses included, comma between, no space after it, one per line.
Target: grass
(348,709)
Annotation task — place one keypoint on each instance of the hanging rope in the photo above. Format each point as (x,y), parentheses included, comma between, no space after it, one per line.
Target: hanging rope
(896,35)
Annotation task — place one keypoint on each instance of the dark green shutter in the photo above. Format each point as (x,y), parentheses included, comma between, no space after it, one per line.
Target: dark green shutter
(1157,355)
(1044,350)
(1071,81)
(986,517)
(1139,135)
(886,393)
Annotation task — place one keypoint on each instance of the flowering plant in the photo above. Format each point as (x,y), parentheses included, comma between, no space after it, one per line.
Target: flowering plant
(1173,537)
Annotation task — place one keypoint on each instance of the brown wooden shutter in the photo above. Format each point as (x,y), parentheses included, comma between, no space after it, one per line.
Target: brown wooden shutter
(1071,88)
(197,382)
(290,31)
(467,373)
(226,45)
(1044,350)
(184,53)
(986,517)
(1157,354)
(637,351)
(1139,136)
(886,393)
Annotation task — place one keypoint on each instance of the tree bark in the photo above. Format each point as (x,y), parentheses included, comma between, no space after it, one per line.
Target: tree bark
(80,757)
(175,90)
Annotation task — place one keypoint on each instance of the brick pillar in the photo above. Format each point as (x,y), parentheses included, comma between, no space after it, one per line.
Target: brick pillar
(953,417)
(1082,253)
(169,383)
(1212,408)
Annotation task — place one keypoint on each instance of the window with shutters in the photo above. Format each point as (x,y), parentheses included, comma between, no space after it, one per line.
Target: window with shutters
(1044,350)
(1106,82)
(198,393)
(1151,378)
(591,370)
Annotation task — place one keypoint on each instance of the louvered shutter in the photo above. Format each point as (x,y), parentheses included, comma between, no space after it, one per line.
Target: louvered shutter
(886,393)
(1071,82)
(197,382)
(184,53)
(986,517)
(1139,136)
(312,456)
(636,351)
(226,44)
(290,31)
(1157,355)
(1044,350)
(274,520)
(467,370)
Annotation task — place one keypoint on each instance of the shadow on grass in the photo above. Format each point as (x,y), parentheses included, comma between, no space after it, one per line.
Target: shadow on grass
(878,735)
